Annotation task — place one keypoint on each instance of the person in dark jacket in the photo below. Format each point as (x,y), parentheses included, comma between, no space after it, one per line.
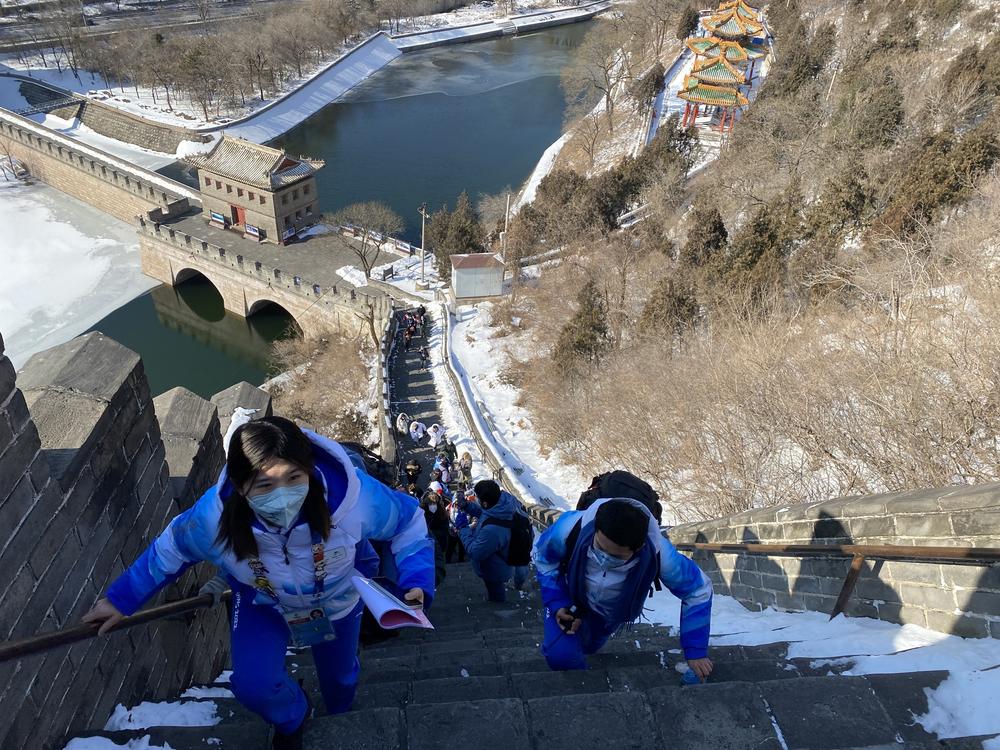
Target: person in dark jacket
(487,544)
(436,516)
(413,470)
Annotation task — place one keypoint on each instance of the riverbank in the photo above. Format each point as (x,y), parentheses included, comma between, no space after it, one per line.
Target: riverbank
(325,83)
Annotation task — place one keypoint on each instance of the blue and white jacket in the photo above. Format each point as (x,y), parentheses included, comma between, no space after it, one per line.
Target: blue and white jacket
(361,508)
(487,544)
(681,576)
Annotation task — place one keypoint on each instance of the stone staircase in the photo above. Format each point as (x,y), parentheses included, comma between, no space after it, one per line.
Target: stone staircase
(478,682)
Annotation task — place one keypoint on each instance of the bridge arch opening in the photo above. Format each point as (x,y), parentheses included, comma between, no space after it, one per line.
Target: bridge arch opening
(273,321)
(198,292)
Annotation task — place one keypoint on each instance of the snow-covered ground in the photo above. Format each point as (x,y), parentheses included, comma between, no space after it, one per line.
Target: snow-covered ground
(76,265)
(482,357)
(963,705)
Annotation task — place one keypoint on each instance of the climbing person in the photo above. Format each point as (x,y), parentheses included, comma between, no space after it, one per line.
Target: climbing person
(402,423)
(596,568)
(435,509)
(500,544)
(407,338)
(464,473)
(450,450)
(435,435)
(442,489)
(620,483)
(284,524)
(443,465)
(425,356)
(454,541)
(417,431)
(413,470)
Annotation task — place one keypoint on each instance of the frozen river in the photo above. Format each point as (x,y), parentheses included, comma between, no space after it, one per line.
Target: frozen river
(473,117)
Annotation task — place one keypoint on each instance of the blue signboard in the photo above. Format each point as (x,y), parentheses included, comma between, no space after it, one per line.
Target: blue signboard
(290,232)
(252,231)
(219,218)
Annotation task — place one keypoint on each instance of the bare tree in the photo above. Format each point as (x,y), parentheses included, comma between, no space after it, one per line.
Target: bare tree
(599,66)
(372,223)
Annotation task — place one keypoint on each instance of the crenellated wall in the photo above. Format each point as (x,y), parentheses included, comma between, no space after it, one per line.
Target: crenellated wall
(91,470)
(88,174)
(167,253)
(959,599)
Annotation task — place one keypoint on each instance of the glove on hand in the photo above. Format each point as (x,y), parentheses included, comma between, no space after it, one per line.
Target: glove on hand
(216,587)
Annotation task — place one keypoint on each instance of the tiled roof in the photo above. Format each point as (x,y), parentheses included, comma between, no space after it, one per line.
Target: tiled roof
(703,93)
(730,24)
(734,52)
(476,260)
(742,7)
(718,70)
(254,164)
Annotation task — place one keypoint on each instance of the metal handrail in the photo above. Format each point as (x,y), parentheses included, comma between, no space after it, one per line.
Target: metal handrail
(47,641)
(970,555)
(858,554)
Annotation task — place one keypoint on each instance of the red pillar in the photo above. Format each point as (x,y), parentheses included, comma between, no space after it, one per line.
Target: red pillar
(687,110)
(695,114)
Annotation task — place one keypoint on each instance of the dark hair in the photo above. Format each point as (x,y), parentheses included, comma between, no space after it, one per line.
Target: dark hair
(253,446)
(622,523)
(488,492)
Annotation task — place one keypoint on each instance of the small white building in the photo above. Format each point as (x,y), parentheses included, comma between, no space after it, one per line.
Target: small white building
(476,275)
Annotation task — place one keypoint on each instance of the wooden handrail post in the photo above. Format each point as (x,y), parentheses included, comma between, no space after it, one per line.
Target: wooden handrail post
(857,564)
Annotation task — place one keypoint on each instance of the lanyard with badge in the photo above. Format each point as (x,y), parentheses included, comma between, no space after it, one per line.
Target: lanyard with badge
(308,627)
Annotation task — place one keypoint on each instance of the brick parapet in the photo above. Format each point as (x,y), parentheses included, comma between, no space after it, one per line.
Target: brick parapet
(84,487)
(87,173)
(959,599)
(314,297)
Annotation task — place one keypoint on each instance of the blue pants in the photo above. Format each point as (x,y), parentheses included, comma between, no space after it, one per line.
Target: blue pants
(260,681)
(564,651)
(496,591)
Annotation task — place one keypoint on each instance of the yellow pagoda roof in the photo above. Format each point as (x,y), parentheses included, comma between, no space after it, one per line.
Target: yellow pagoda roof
(742,7)
(730,24)
(703,93)
(718,71)
(734,52)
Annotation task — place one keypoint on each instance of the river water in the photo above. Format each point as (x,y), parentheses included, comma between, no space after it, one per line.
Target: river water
(473,117)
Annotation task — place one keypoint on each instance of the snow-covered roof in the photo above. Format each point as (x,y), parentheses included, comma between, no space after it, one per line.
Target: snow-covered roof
(476,260)
(254,164)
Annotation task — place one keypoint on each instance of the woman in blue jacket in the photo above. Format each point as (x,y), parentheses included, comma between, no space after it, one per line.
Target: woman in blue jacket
(283,525)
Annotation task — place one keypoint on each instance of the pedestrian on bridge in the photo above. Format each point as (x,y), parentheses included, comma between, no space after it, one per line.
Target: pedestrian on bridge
(287,523)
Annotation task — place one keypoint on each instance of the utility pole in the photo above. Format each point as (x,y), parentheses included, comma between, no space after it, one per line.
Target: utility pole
(506,225)
(423,225)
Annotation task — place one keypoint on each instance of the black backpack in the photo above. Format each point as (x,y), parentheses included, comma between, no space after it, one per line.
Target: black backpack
(522,537)
(620,483)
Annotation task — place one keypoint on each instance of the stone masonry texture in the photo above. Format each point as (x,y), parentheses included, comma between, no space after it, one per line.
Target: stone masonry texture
(86,482)
(960,599)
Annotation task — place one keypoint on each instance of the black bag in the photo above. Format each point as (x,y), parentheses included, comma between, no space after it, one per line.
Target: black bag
(372,463)
(522,538)
(620,483)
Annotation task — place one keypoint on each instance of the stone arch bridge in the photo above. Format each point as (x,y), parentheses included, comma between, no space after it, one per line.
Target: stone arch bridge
(172,254)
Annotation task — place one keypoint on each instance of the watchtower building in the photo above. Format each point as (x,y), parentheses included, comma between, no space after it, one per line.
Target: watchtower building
(257,190)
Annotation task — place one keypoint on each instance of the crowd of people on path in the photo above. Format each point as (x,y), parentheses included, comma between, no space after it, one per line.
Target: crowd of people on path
(294,516)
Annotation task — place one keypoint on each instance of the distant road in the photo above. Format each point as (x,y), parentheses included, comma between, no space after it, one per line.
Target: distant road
(14,35)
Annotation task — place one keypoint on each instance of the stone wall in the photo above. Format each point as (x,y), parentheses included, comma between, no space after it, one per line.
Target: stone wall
(119,124)
(245,284)
(86,483)
(959,599)
(120,189)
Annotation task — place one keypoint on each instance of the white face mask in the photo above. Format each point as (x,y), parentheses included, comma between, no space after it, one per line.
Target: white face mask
(280,506)
(604,560)
(433,508)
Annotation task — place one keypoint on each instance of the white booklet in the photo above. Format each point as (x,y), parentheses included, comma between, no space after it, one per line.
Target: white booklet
(390,612)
